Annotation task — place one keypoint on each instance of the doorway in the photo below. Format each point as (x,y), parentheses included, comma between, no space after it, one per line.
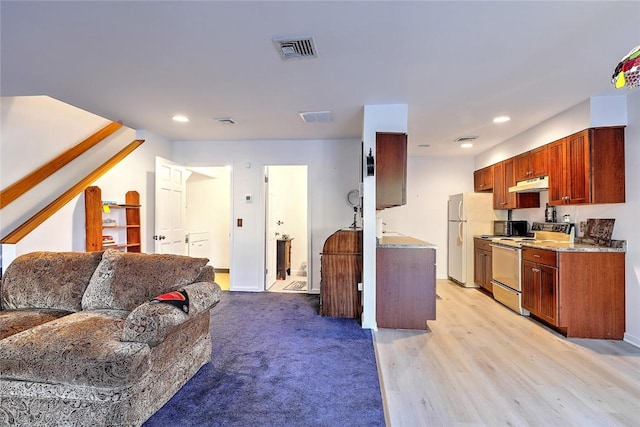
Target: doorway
(286,227)
(208,218)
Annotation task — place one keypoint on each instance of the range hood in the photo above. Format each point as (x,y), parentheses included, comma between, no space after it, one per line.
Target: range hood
(534,185)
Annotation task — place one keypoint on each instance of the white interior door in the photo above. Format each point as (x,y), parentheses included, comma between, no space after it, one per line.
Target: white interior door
(170,213)
(270,230)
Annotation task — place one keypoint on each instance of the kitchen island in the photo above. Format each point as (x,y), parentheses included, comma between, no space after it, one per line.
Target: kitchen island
(405,282)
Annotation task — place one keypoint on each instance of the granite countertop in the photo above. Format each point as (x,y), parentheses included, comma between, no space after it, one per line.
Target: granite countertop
(399,241)
(577,246)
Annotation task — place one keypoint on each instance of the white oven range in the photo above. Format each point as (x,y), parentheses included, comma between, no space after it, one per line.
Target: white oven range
(506,281)
(507,261)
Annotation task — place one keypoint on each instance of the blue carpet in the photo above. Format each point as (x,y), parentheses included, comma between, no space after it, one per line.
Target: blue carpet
(276,362)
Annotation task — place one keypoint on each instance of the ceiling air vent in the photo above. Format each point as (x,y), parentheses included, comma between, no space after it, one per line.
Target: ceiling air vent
(225,120)
(315,116)
(466,138)
(295,47)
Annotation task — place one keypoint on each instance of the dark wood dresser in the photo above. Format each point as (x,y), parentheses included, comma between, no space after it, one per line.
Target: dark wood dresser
(340,272)
(283,258)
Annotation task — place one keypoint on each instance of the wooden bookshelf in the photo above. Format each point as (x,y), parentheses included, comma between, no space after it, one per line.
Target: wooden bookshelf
(121,221)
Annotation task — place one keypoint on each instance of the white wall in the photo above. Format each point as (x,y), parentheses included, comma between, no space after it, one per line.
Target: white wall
(377,118)
(594,112)
(45,119)
(430,181)
(34,131)
(334,166)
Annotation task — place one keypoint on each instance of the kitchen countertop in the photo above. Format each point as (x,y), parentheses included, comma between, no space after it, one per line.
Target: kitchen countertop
(400,241)
(577,246)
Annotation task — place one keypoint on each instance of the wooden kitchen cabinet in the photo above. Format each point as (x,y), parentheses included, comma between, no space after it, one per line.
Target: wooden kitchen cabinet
(482,266)
(581,294)
(540,284)
(588,167)
(391,169)
(483,180)
(405,287)
(503,178)
(532,164)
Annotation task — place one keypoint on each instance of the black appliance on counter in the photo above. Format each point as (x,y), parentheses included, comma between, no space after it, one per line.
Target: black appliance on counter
(510,228)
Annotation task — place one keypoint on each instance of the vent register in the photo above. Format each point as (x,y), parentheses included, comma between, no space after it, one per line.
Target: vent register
(295,47)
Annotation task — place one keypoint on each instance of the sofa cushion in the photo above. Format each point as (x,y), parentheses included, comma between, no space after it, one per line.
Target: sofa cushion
(14,321)
(124,280)
(82,349)
(48,280)
(150,322)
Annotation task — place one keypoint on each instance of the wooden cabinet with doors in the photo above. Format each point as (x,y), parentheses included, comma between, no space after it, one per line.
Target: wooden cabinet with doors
(482,265)
(503,178)
(391,169)
(588,167)
(532,164)
(540,284)
(110,224)
(580,294)
(483,180)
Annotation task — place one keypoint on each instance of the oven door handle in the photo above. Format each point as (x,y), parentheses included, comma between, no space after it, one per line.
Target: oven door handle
(506,248)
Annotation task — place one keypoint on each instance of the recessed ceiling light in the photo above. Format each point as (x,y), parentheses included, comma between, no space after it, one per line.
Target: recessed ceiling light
(180,118)
(466,145)
(501,119)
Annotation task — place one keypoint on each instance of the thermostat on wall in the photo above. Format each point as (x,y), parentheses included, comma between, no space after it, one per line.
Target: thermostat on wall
(248,198)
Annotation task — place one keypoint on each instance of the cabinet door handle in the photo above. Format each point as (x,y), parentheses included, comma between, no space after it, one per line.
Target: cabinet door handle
(536,256)
(535,270)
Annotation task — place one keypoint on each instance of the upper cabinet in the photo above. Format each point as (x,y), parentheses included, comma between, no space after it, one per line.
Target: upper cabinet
(483,179)
(587,167)
(532,164)
(391,169)
(503,178)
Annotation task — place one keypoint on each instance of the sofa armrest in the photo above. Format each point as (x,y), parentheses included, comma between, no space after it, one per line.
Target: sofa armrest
(151,322)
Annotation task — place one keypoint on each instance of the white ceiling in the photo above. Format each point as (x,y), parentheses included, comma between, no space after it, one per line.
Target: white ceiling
(456,64)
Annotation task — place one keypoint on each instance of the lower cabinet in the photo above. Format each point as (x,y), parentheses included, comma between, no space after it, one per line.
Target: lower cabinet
(581,294)
(482,264)
(405,287)
(540,291)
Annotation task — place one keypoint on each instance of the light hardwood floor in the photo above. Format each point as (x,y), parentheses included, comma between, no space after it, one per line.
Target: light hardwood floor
(483,365)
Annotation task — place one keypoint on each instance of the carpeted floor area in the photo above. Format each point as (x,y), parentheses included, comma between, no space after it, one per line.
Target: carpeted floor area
(276,362)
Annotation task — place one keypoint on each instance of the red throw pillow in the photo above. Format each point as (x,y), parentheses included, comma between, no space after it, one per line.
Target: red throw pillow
(178,299)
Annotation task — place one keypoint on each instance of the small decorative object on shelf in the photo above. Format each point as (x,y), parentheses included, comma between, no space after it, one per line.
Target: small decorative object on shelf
(121,220)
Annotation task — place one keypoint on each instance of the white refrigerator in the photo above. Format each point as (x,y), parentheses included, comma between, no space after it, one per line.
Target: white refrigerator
(470,214)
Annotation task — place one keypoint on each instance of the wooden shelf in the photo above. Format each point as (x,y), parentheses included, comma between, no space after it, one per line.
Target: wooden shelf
(127,226)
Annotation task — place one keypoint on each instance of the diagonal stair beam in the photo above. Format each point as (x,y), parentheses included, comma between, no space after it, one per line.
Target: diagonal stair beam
(29,181)
(29,225)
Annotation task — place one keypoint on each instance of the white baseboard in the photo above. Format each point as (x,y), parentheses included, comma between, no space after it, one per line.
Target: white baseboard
(633,340)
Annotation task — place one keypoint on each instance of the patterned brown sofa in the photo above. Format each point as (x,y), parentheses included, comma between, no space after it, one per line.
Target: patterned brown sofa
(82,342)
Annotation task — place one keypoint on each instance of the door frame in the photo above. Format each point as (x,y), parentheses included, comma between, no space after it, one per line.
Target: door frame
(265,237)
